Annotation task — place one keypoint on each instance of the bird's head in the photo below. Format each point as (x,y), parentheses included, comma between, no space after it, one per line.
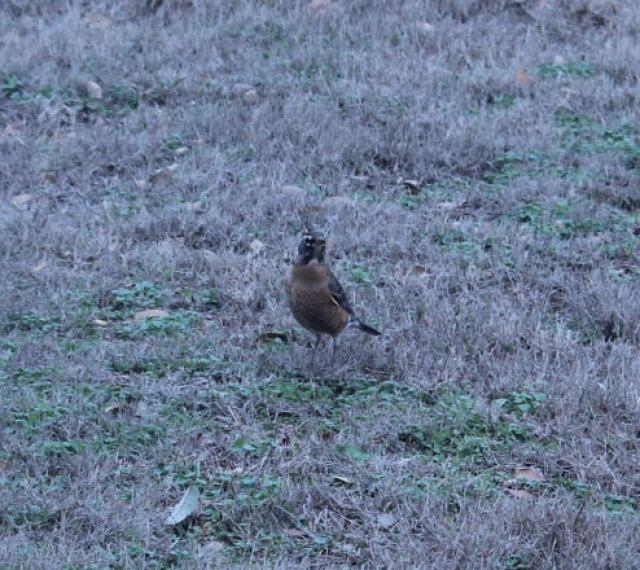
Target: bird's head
(310,248)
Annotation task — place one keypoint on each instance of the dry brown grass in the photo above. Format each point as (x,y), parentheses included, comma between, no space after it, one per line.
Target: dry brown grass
(506,283)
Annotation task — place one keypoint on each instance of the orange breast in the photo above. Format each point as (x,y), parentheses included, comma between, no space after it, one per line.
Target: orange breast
(311,303)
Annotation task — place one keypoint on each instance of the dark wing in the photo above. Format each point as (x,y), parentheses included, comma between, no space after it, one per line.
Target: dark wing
(338,294)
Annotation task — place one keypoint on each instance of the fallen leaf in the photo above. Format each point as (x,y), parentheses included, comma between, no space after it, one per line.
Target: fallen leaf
(529,473)
(21,199)
(39,266)
(181,150)
(97,21)
(250,97)
(519,493)
(413,186)
(522,77)
(341,480)
(100,323)
(112,408)
(163,174)
(272,336)
(141,184)
(150,314)
(425,27)
(256,247)
(94,91)
(385,520)
(185,507)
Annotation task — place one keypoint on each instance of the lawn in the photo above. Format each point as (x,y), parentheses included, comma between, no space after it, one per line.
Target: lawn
(475,165)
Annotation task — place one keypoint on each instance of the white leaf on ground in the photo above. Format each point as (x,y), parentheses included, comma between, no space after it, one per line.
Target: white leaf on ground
(185,507)
(529,473)
(39,266)
(385,520)
(93,90)
(257,247)
(21,199)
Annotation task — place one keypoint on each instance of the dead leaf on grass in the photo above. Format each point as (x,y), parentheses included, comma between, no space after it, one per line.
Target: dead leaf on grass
(250,97)
(413,186)
(385,520)
(94,91)
(149,314)
(21,199)
(39,266)
(163,174)
(425,27)
(100,323)
(272,336)
(256,247)
(341,480)
(528,473)
(184,508)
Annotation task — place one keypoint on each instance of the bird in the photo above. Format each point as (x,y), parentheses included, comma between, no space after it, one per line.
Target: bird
(316,299)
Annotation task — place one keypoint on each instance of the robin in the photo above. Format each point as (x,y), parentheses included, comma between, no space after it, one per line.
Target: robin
(315,296)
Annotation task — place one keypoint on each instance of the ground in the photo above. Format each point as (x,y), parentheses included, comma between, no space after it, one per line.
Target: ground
(475,165)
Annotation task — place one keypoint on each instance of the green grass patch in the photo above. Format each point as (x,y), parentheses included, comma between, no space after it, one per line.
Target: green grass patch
(458,432)
(569,69)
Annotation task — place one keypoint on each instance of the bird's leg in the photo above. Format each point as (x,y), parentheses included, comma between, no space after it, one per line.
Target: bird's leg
(334,350)
(315,347)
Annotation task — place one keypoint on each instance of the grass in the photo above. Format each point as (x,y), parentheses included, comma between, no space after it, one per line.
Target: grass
(478,192)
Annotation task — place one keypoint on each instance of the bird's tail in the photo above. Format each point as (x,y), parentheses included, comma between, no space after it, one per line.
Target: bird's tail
(366,328)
